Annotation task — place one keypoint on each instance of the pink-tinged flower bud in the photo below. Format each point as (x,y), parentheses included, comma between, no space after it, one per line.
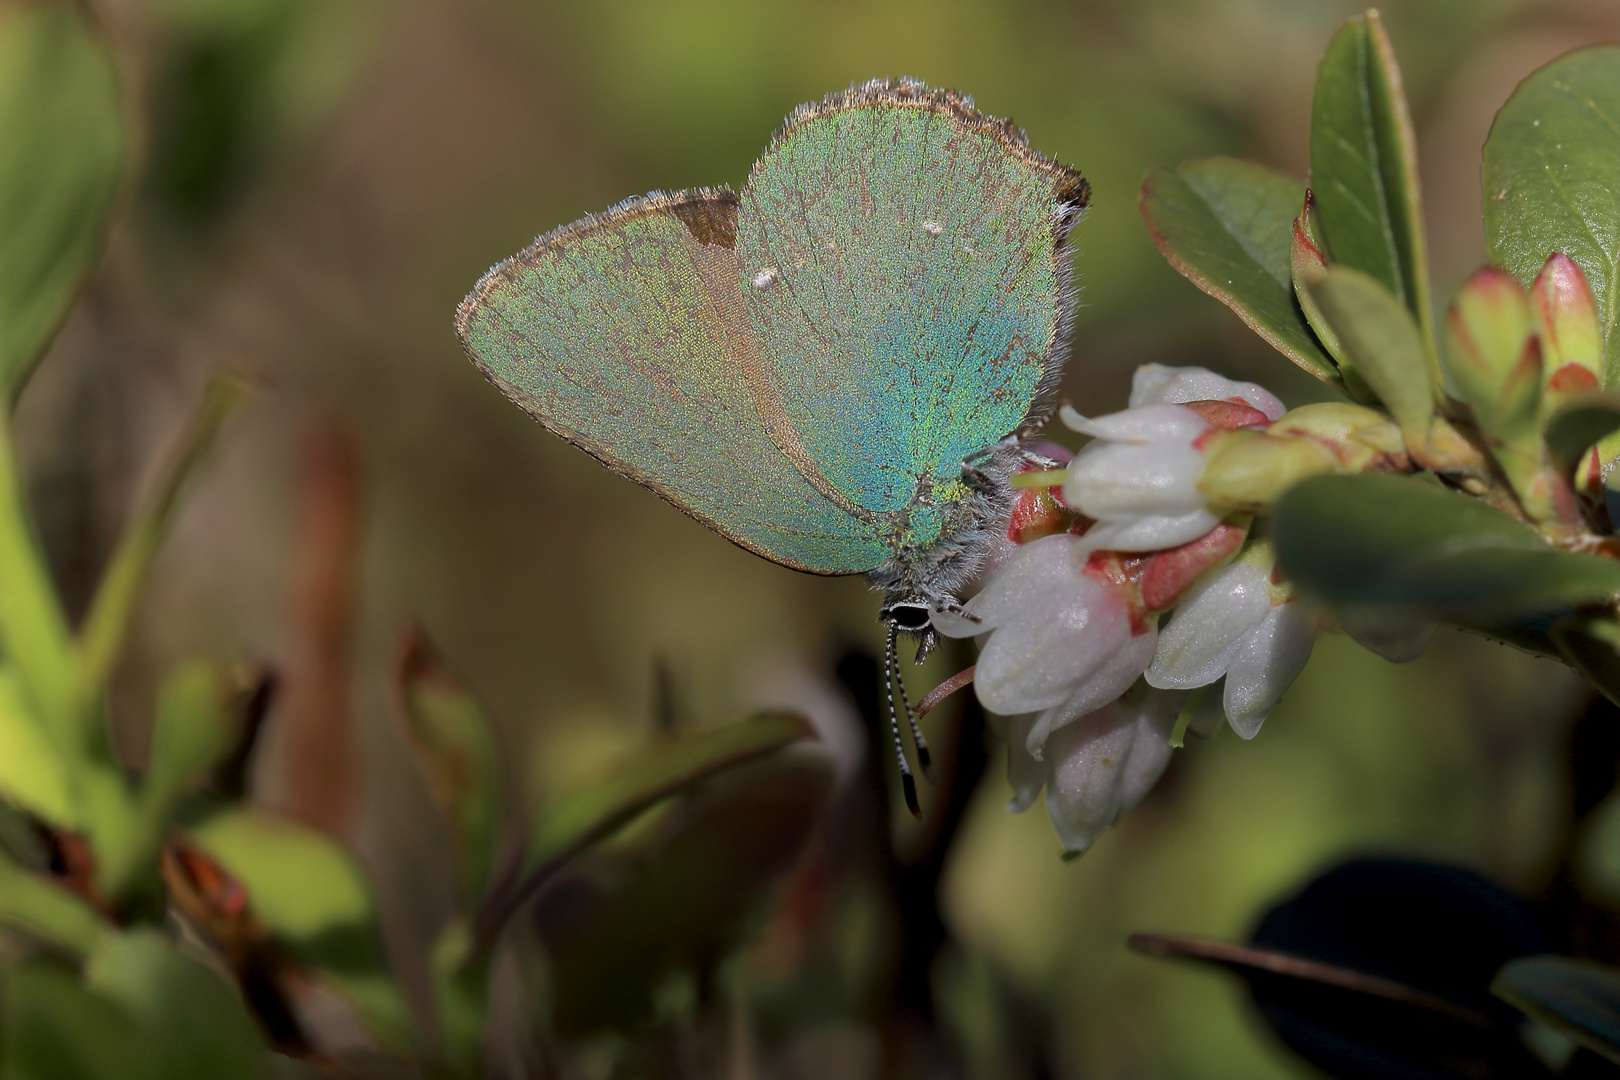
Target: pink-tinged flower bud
(1566,319)
(1362,439)
(1249,471)
(1307,262)
(1493,355)
(1170,573)
(1237,625)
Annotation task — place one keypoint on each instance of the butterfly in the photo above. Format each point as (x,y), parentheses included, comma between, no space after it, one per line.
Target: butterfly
(832,367)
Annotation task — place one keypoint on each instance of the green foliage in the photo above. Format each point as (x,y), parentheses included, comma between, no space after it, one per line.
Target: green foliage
(316,902)
(45,911)
(1548,177)
(454,746)
(114,601)
(687,901)
(1225,225)
(1383,343)
(583,817)
(63,124)
(573,822)
(34,634)
(1364,168)
(1387,541)
(1578,425)
(1579,998)
(1592,647)
(194,1026)
(53,1027)
(34,773)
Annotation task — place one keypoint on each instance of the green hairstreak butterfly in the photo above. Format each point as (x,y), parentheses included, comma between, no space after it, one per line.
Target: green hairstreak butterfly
(831,367)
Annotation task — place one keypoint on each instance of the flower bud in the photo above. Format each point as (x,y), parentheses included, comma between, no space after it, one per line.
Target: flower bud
(1567,322)
(1308,262)
(1492,354)
(1362,439)
(1249,470)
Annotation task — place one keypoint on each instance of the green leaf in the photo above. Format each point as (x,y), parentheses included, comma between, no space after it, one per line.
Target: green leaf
(454,747)
(1592,647)
(194,1024)
(1226,225)
(33,773)
(460,998)
(1404,544)
(103,632)
(190,732)
(1579,998)
(33,629)
(1382,342)
(62,125)
(691,898)
(1364,171)
(575,821)
(52,1027)
(317,903)
(1578,425)
(47,912)
(1549,178)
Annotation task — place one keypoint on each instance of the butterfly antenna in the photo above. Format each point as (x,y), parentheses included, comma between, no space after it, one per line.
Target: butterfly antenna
(907,784)
(925,762)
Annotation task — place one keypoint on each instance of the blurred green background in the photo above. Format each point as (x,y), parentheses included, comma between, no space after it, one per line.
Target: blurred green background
(321,180)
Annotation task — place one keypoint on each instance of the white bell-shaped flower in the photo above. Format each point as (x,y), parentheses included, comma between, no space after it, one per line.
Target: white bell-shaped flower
(1237,625)
(1138,478)
(1097,767)
(1156,384)
(1059,642)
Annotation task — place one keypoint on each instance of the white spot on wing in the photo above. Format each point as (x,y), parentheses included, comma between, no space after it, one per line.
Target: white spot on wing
(933,228)
(764,278)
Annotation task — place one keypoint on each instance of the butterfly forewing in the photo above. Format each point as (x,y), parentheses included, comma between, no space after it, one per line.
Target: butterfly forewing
(627,335)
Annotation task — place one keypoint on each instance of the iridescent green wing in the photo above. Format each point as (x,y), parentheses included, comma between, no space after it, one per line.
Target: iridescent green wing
(903,262)
(626,334)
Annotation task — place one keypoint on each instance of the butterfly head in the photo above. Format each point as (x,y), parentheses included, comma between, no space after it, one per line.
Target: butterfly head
(911,616)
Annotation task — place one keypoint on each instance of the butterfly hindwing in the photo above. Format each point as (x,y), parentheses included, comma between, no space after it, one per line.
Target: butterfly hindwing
(626,334)
(904,267)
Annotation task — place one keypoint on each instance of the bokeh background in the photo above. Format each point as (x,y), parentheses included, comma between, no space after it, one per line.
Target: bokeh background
(320,181)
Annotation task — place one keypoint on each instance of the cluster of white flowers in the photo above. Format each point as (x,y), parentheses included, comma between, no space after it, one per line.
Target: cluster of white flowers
(1069,622)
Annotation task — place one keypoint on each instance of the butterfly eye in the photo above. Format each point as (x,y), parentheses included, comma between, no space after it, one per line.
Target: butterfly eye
(906,616)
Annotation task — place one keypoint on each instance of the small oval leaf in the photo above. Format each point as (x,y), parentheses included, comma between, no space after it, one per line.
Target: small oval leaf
(1226,225)
(1551,177)
(62,123)
(1400,543)
(1382,342)
(316,901)
(454,745)
(1364,169)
